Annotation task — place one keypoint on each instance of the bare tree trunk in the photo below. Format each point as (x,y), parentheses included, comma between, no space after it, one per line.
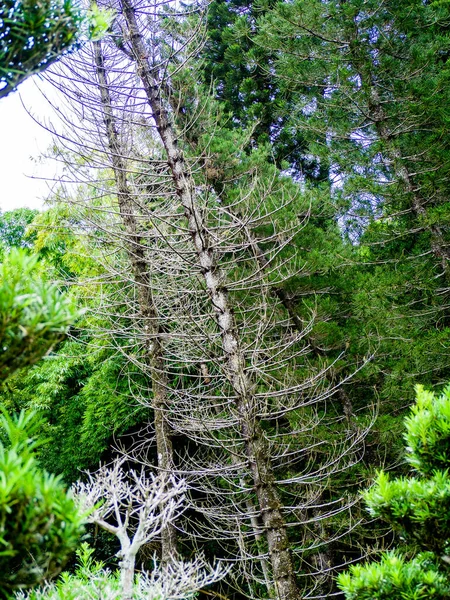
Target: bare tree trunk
(127,567)
(259,542)
(278,291)
(256,447)
(136,253)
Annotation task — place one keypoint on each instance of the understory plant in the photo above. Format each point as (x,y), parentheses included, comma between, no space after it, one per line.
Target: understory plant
(92,581)
(40,523)
(418,510)
(34,314)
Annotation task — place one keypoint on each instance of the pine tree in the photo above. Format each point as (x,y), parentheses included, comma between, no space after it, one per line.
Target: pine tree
(377,92)
(241,390)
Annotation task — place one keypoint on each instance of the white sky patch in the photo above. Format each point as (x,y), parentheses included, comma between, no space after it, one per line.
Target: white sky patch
(22,141)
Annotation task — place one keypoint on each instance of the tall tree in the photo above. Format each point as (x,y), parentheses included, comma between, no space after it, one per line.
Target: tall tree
(374,117)
(215,228)
(240,73)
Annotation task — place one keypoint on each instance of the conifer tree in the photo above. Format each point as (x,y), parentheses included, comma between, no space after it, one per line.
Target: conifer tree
(372,110)
(240,386)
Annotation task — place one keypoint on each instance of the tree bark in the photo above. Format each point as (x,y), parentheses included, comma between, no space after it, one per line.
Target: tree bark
(256,447)
(127,568)
(136,253)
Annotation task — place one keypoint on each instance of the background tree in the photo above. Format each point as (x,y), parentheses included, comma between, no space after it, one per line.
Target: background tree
(376,92)
(13,225)
(35,34)
(85,391)
(241,75)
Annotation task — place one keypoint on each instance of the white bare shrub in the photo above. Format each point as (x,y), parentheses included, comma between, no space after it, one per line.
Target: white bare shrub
(132,505)
(93,582)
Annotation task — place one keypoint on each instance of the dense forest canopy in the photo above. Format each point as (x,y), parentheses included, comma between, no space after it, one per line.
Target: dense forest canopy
(216,326)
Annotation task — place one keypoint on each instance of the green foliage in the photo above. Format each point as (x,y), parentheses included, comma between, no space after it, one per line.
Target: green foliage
(90,581)
(33,35)
(372,80)
(40,525)
(245,83)
(393,578)
(84,389)
(13,226)
(34,315)
(84,396)
(418,509)
(99,21)
(428,432)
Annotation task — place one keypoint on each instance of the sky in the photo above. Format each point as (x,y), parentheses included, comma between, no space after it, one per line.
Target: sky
(22,140)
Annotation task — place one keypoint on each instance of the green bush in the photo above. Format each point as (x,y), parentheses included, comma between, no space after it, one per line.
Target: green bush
(428,432)
(395,578)
(34,315)
(418,510)
(40,524)
(91,581)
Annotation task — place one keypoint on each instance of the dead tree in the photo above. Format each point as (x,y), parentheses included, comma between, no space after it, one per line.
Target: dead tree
(241,394)
(246,402)
(151,321)
(255,444)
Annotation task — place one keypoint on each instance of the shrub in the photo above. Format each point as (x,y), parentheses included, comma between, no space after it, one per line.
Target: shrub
(40,524)
(418,510)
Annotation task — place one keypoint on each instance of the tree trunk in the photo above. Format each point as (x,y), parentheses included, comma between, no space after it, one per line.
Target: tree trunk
(256,447)
(127,568)
(136,253)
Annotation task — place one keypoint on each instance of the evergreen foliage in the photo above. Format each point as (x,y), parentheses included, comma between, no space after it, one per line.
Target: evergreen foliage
(34,316)
(242,74)
(33,35)
(396,577)
(417,508)
(40,524)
